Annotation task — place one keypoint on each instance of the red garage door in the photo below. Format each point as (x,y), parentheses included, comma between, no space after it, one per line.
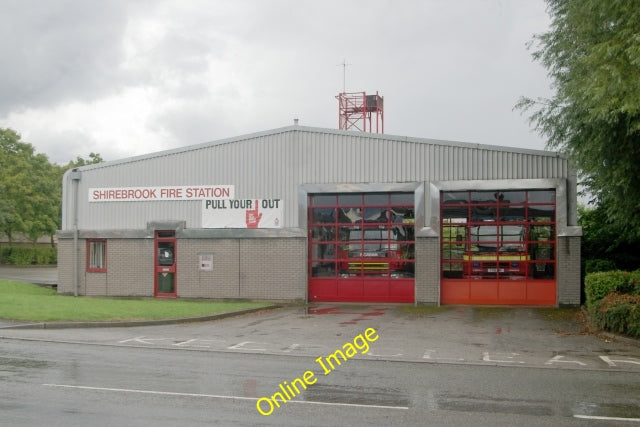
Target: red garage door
(498,247)
(361,247)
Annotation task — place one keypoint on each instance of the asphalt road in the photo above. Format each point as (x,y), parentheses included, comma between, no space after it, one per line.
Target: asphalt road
(62,384)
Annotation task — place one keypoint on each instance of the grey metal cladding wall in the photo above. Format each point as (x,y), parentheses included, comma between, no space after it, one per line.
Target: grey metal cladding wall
(253,165)
(273,164)
(349,157)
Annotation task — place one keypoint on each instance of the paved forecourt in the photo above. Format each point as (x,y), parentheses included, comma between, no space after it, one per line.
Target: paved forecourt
(518,337)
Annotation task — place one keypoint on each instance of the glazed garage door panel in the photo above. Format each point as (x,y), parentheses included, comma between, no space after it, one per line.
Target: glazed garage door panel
(498,247)
(361,247)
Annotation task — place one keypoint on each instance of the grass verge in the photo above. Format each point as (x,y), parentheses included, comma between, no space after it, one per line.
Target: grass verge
(484,313)
(24,301)
(554,313)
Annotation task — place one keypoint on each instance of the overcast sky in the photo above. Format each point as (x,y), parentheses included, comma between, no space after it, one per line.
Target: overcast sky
(129,77)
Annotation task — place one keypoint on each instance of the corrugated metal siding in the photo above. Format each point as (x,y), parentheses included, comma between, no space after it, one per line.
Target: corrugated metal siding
(274,164)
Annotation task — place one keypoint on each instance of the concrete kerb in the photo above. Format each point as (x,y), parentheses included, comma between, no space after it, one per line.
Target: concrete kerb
(132,323)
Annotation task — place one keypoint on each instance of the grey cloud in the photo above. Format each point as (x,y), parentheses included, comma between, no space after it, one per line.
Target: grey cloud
(55,51)
(213,69)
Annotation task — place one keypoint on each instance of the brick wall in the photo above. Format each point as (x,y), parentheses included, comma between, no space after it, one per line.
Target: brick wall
(265,268)
(129,268)
(427,271)
(568,274)
(65,266)
(273,268)
(221,282)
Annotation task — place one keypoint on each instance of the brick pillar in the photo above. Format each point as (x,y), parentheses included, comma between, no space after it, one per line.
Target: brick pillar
(65,266)
(568,270)
(427,271)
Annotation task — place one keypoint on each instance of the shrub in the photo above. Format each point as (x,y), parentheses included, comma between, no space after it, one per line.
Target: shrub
(28,256)
(5,251)
(599,285)
(615,318)
(595,313)
(618,313)
(634,321)
(634,282)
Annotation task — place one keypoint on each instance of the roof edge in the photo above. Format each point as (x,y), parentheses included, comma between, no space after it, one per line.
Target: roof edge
(298,128)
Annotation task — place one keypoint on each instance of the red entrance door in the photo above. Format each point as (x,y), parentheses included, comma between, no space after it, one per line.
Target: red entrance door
(165,264)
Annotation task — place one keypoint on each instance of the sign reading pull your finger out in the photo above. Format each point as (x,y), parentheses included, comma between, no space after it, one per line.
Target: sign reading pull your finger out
(242,213)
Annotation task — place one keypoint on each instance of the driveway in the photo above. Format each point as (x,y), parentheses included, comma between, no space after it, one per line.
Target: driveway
(40,275)
(503,336)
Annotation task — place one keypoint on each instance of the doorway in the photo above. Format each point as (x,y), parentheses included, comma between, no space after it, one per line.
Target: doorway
(165,264)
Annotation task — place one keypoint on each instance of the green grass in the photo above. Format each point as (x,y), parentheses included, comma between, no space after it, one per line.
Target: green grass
(423,310)
(553,313)
(23,301)
(484,313)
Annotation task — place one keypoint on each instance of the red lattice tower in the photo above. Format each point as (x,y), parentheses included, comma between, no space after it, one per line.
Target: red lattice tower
(359,111)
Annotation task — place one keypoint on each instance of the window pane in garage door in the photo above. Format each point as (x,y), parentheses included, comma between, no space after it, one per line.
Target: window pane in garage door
(498,246)
(362,247)
(362,234)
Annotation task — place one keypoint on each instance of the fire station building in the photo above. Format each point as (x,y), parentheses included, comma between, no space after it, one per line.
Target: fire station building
(309,214)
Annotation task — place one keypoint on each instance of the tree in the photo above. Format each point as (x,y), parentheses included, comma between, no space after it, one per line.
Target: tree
(601,246)
(15,182)
(93,159)
(30,188)
(592,54)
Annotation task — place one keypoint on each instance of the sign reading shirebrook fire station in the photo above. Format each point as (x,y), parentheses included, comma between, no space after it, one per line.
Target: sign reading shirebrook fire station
(245,213)
(150,194)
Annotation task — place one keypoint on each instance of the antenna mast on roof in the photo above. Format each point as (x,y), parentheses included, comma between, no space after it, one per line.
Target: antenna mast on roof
(356,110)
(344,75)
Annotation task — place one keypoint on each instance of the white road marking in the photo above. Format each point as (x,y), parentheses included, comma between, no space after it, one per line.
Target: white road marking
(215,396)
(372,354)
(166,393)
(142,340)
(486,357)
(427,355)
(197,343)
(243,346)
(609,361)
(558,359)
(291,348)
(594,417)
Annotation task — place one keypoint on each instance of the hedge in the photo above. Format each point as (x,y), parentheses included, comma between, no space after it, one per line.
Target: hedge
(618,313)
(613,301)
(17,255)
(595,265)
(599,285)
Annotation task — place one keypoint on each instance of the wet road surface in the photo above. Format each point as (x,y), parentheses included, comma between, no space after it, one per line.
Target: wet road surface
(78,384)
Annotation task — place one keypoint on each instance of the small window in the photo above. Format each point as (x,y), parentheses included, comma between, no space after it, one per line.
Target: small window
(97,255)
